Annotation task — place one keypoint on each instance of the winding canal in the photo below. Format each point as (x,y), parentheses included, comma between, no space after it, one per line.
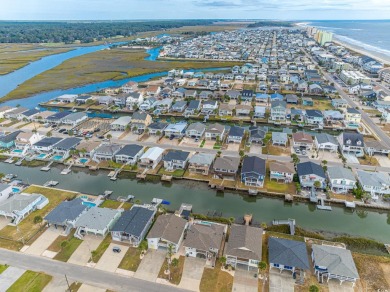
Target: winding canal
(365,223)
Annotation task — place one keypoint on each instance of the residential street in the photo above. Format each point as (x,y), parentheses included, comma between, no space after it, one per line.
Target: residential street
(82,274)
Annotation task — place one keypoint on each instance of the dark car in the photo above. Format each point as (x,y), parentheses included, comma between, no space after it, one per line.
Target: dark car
(116,249)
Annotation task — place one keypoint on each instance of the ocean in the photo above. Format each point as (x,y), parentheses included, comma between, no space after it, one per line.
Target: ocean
(370,35)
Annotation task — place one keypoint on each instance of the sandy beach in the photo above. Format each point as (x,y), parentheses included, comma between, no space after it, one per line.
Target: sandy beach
(377,56)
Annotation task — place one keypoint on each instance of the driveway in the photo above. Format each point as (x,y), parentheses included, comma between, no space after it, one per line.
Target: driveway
(111,260)
(233,147)
(383,160)
(82,254)
(192,273)
(57,284)
(334,286)
(43,242)
(3,222)
(256,149)
(150,265)
(351,158)
(9,276)
(245,281)
(280,282)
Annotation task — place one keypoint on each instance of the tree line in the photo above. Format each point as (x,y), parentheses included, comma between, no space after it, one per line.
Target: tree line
(85,32)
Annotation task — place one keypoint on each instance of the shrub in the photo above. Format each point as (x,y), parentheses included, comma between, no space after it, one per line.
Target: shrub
(314,288)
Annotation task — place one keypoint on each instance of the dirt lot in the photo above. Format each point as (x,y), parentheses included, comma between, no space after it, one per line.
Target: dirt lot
(190,142)
(166,141)
(276,150)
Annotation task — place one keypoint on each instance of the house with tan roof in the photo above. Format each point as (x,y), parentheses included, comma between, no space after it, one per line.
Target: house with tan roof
(282,171)
(302,140)
(168,230)
(243,248)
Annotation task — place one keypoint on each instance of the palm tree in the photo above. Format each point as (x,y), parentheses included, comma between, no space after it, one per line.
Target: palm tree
(109,136)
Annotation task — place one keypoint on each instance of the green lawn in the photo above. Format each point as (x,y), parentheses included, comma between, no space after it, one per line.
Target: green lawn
(110,204)
(131,260)
(27,228)
(177,172)
(279,187)
(176,271)
(3,268)
(66,252)
(97,253)
(30,282)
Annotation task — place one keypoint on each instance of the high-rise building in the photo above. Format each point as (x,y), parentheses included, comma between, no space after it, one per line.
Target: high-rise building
(323,37)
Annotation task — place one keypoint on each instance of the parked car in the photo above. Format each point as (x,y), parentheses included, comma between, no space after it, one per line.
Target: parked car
(116,249)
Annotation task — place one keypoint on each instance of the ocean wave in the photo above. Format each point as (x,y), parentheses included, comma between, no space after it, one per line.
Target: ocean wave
(356,29)
(363,45)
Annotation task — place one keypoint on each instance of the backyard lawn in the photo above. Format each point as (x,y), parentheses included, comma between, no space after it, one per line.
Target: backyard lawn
(177,172)
(276,150)
(110,204)
(176,271)
(215,280)
(27,228)
(30,282)
(131,260)
(278,187)
(66,252)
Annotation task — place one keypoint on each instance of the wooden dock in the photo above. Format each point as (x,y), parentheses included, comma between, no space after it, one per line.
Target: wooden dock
(290,222)
(322,205)
(167,178)
(47,167)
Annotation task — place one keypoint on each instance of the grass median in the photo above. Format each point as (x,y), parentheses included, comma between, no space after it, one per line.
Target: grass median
(30,281)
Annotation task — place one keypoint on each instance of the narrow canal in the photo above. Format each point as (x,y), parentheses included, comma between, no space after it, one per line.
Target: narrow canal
(365,223)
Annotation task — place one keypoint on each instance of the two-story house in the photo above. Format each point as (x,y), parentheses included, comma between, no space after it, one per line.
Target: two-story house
(374,183)
(278,111)
(309,173)
(253,171)
(175,159)
(226,166)
(302,140)
(215,131)
(282,171)
(341,180)
(201,163)
(351,144)
(352,118)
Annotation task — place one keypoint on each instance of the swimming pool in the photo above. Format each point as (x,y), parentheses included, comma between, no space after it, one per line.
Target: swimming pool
(57,157)
(42,155)
(83,160)
(89,204)
(17,151)
(15,190)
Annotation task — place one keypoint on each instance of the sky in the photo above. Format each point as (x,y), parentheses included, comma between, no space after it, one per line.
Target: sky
(193,9)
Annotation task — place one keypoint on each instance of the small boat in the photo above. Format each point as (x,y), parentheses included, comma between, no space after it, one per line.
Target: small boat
(164,202)
(9,177)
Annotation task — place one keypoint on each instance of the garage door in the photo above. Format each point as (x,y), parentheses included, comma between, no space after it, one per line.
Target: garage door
(201,255)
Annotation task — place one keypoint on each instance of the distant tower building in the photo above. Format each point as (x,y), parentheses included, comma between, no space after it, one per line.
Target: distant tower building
(323,37)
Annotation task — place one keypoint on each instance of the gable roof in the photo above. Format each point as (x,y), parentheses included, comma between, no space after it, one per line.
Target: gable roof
(253,164)
(325,138)
(199,127)
(10,137)
(337,172)
(48,141)
(244,242)
(227,162)
(134,221)
(353,139)
(66,210)
(130,150)
(286,167)
(97,218)
(169,227)
(68,143)
(314,113)
(202,158)
(18,202)
(236,131)
(176,155)
(153,153)
(288,252)
(302,137)
(338,261)
(307,168)
(204,236)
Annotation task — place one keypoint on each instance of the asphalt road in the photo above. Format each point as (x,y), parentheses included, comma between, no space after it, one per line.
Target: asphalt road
(95,277)
(366,119)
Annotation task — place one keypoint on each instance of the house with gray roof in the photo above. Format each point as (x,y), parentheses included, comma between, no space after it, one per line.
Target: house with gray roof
(121,123)
(129,154)
(375,183)
(157,127)
(289,255)
(226,166)
(253,171)
(179,106)
(66,213)
(106,151)
(309,173)
(279,138)
(195,130)
(168,230)
(5,191)
(175,159)
(98,221)
(372,147)
(74,119)
(256,134)
(333,262)
(215,130)
(176,130)
(8,141)
(65,145)
(278,111)
(193,107)
(236,134)
(46,144)
(341,180)
(243,248)
(204,239)
(19,206)
(324,141)
(351,144)
(201,163)
(133,225)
